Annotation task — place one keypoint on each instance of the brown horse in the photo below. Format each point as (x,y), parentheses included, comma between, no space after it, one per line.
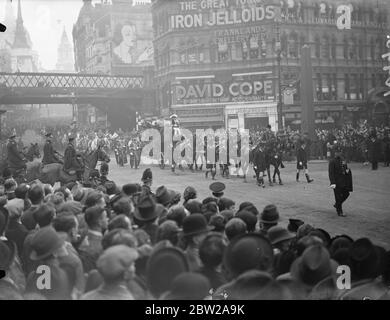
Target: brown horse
(54,172)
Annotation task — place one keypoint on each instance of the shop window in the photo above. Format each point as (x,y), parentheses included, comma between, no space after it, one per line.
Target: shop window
(223,54)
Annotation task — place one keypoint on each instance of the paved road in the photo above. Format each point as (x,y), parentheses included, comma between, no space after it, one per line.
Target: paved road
(367,209)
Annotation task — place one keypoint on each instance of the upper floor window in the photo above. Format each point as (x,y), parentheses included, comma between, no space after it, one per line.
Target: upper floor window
(326,47)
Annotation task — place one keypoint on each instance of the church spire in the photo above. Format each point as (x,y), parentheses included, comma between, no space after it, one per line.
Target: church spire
(21,39)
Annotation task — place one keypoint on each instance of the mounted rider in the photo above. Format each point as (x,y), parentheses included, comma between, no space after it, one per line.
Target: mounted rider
(72,162)
(15,159)
(49,154)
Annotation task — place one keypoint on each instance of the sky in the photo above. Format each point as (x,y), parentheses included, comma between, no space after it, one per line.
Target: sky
(45,20)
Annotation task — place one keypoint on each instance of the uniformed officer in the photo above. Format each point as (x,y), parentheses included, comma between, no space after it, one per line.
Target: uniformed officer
(302,162)
(340,177)
(71,161)
(259,164)
(49,154)
(15,159)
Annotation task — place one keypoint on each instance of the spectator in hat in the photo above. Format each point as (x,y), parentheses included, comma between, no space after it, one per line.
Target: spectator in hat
(36,195)
(193,206)
(21,193)
(218,222)
(146,214)
(130,189)
(16,231)
(235,227)
(147,180)
(177,213)
(163,196)
(217,190)
(280,238)
(340,242)
(91,247)
(117,266)
(168,230)
(365,268)
(294,224)
(313,267)
(188,286)
(46,247)
(268,218)
(44,215)
(189,194)
(227,215)
(195,229)
(123,206)
(249,218)
(66,225)
(211,251)
(163,266)
(246,252)
(210,209)
(226,204)
(249,206)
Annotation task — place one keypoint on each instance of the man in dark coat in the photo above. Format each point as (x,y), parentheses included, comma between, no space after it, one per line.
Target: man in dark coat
(340,178)
(374,150)
(15,158)
(49,154)
(386,149)
(71,163)
(302,162)
(259,164)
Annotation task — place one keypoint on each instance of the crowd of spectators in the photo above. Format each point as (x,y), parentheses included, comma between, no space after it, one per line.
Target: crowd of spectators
(139,242)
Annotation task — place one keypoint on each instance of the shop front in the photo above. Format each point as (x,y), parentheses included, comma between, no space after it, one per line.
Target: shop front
(252,116)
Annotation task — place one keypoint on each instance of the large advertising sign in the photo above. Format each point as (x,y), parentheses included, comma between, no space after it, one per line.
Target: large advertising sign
(132,39)
(231,91)
(210,13)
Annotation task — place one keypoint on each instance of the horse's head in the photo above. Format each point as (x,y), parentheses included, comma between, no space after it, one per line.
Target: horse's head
(102,155)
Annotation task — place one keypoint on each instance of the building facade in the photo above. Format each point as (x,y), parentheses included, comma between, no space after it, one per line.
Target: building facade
(116,38)
(216,62)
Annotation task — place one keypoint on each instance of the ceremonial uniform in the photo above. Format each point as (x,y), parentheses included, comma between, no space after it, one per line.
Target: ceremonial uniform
(49,154)
(302,159)
(340,177)
(71,163)
(15,159)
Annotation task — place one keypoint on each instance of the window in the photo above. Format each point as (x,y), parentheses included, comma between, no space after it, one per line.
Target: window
(372,49)
(317,44)
(223,54)
(334,87)
(254,47)
(319,87)
(347,87)
(345,48)
(334,48)
(293,45)
(245,51)
(361,49)
(326,47)
(352,49)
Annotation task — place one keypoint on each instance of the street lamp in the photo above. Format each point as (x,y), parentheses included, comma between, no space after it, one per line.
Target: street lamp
(278,48)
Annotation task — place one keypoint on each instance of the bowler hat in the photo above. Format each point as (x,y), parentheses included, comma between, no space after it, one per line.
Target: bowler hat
(294,224)
(163,196)
(189,193)
(131,188)
(313,266)
(249,218)
(189,286)
(146,209)
(177,213)
(49,135)
(147,175)
(7,254)
(195,224)
(278,234)
(44,243)
(270,214)
(193,206)
(364,259)
(217,187)
(248,251)
(163,266)
(115,260)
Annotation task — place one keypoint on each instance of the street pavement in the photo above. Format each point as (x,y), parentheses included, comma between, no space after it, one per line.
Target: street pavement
(367,209)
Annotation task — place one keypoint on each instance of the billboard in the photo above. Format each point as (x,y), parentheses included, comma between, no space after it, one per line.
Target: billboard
(132,37)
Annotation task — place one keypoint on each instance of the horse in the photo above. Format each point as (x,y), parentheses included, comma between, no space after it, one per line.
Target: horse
(54,172)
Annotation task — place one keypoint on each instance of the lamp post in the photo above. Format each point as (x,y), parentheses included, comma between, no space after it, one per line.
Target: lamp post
(278,48)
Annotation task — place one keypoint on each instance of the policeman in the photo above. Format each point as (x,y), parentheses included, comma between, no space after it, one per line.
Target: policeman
(49,154)
(71,162)
(15,159)
(259,164)
(302,162)
(340,177)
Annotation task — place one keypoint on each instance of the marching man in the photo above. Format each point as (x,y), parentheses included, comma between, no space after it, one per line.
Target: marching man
(302,162)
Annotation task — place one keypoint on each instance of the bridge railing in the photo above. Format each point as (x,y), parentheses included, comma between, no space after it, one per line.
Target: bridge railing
(69,80)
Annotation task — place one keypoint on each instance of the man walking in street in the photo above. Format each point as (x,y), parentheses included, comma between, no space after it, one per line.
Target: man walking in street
(340,177)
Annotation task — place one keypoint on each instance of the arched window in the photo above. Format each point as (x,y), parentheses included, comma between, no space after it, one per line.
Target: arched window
(317,44)
(326,47)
